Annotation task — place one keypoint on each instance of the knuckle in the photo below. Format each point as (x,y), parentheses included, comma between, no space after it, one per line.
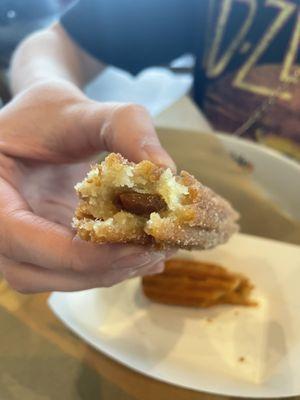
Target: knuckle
(131,109)
(136,108)
(122,117)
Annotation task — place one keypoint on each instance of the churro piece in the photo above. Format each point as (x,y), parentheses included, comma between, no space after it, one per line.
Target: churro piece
(123,202)
(197,284)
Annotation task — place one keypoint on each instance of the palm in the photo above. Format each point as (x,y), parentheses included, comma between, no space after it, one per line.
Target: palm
(49,189)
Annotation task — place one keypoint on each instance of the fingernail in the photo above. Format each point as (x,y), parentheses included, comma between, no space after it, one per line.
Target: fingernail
(165,162)
(159,157)
(153,270)
(158,269)
(137,261)
(149,270)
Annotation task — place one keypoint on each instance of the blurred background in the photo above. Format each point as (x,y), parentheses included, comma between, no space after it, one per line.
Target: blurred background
(156,88)
(159,87)
(18,18)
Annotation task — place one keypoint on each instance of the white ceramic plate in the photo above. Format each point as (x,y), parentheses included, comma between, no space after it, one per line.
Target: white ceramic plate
(202,349)
(277,174)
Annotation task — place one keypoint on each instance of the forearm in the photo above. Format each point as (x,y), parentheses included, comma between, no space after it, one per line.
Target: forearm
(50,55)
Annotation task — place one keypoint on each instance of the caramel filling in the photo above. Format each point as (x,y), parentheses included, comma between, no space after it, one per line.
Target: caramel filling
(140,203)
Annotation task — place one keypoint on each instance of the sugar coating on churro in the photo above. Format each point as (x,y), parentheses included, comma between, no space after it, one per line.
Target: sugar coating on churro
(124,202)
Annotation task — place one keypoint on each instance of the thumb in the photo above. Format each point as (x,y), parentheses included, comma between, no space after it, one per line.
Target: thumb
(122,128)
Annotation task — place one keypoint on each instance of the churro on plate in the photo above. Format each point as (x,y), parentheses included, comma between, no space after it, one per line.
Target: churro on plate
(197,284)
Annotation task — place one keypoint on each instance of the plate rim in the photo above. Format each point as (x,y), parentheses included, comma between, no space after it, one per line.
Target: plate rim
(260,148)
(66,316)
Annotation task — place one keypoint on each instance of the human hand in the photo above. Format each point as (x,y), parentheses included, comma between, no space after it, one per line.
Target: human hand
(48,135)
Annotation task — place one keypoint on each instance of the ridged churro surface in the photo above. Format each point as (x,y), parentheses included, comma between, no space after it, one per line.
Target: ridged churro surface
(197,284)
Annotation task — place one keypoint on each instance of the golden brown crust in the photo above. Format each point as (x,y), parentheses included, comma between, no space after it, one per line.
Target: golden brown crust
(197,284)
(193,216)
